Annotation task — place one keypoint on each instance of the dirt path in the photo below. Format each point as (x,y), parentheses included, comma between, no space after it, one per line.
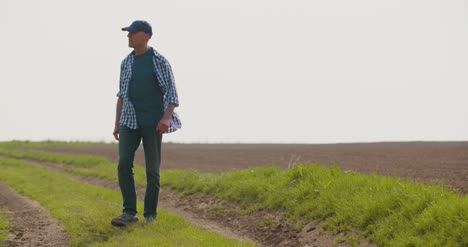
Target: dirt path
(198,210)
(421,161)
(169,201)
(31,224)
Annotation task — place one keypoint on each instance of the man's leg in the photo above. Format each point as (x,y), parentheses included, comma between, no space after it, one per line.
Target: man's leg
(129,140)
(152,146)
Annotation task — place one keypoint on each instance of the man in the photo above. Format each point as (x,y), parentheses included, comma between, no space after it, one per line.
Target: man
(145,111)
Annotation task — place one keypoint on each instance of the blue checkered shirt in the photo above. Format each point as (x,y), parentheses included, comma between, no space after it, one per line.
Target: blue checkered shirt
(166,82)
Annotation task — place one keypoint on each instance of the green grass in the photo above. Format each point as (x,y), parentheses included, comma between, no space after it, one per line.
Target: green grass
(77,160)
(85,212)
(85,165)
(4,225)
(386,210)
(50,144)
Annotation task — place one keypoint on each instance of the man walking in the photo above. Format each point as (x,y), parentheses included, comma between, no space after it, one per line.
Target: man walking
(145,111)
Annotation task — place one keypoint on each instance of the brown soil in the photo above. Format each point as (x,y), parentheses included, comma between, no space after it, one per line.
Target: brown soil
(31,224)
(223,218)
(421,161)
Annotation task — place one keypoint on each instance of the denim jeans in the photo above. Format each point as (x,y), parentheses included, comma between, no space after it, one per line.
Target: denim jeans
(128,144)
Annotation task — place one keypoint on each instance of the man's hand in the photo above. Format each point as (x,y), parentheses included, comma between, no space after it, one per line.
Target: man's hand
(163,126)
(116,132)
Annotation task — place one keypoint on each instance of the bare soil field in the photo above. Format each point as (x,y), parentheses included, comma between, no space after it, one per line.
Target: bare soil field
(420,161)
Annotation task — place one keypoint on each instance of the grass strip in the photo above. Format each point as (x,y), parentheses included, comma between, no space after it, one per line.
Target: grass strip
(385,210)
(50,144)
(85,165)
(85,212)
(4,225)
(77,160)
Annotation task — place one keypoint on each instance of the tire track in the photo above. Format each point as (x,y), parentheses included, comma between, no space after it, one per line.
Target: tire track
(31,224)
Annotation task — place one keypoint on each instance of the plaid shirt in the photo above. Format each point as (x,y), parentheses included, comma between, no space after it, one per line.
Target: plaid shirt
(166,82)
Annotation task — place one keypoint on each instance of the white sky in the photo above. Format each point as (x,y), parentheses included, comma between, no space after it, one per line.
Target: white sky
(246,71)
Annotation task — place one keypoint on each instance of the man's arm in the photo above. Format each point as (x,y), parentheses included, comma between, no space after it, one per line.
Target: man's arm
(117,118)
(171,97)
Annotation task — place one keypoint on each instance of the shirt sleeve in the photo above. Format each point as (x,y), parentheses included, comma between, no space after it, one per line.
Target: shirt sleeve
(171,93)
(121,89)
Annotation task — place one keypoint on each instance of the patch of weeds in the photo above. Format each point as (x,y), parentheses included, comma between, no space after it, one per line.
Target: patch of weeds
(4,225)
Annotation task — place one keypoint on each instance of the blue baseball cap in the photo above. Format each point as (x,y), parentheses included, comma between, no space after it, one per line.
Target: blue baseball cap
(139,26)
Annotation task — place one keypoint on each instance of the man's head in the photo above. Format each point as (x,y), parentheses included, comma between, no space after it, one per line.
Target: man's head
(139,32)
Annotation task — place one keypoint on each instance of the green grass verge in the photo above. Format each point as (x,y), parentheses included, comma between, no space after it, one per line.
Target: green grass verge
(85,165)
(85,212)
(50,144)
(388,211)
(77,160)
(4,225)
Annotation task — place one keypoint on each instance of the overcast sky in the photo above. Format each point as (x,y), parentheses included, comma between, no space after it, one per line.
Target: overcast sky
(246,71)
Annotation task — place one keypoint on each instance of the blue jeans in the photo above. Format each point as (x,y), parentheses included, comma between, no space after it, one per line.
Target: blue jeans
(128,144)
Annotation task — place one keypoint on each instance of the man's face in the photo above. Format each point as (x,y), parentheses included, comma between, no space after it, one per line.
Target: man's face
(137,39)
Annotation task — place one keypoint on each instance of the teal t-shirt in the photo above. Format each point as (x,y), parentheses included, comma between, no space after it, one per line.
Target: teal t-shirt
(144,91)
